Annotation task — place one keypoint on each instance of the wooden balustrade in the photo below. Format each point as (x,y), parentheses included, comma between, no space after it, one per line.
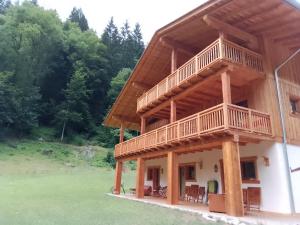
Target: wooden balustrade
(157,124)
(219,49)
(200,124)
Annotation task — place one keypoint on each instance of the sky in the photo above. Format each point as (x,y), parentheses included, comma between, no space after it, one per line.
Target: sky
(151,15)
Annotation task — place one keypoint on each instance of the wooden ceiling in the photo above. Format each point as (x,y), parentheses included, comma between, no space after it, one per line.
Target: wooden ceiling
(275,19)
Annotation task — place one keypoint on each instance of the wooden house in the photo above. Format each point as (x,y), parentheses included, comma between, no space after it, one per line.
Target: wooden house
(204,98)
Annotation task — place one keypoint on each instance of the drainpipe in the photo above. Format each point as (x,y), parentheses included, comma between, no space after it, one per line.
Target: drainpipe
(284,144)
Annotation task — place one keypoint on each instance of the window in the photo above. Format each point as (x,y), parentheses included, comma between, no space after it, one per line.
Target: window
(249,170)
(189,172)
(295,104)
(150,174)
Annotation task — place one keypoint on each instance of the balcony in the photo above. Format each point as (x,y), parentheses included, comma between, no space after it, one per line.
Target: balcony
(214,120)
(221,52)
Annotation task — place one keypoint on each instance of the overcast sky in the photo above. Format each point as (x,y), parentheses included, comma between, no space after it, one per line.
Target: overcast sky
(151,14)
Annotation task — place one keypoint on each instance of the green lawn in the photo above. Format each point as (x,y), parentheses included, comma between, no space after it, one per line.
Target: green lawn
(38,191)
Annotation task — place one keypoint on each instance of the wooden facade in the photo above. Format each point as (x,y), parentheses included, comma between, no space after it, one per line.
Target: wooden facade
(207,81)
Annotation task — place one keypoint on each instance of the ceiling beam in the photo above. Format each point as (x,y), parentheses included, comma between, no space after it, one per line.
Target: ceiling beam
(231,30)
(141,86)
(173,44)
(125,119)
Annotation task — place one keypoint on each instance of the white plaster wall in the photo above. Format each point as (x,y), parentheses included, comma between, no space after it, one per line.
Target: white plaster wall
(294,160)
(273,181)
(162,162)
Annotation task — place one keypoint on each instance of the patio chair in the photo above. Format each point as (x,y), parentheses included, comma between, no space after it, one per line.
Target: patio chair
(201,194)
(194,192)
(147,190)
(163,192)
(187,191)
(253,198)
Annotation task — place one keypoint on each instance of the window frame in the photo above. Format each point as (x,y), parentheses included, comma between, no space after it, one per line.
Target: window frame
(296,100)
(252,159)
(150,172)
(186,166)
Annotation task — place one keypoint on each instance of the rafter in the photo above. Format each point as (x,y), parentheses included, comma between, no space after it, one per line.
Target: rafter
(231,30)
(173,44)
(125,119)
(141,86)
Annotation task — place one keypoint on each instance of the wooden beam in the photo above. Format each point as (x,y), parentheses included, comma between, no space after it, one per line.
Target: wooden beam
(201,145)
(231,30)
(124,119)
(232,178)
(173,60)
(170,43)
(140,175)
(226,90)
(173,193)
(143,124)
(121,138)
(141,86)
(173,113)
(118,177)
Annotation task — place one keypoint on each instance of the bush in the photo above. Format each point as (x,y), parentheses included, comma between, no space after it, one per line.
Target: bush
(110,159)
(74,139)
(44,133)
(132,165)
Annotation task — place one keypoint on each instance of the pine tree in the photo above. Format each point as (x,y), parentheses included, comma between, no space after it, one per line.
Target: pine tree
(78,17)
(127,44)
(139,46)
(111,38)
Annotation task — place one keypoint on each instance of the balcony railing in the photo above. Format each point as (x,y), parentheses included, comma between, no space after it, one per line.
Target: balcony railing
(219,118)
(220,49)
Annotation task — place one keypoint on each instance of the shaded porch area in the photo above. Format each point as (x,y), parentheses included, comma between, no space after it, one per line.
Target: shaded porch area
(253,217)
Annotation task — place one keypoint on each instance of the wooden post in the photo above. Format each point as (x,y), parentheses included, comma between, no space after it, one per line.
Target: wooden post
(226,90)
(143,125)
(173,193)
(140,174)
(173,60)
(118,177)
(173,111)
(232,178)
(121,133)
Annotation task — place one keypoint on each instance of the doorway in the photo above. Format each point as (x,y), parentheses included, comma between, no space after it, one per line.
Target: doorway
(155,178)
(181,181)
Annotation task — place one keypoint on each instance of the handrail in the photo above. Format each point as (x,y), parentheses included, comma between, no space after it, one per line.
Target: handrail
(199,124)
(217,50)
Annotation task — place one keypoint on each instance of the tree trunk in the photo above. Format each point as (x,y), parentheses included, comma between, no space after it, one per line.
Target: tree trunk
(63,132)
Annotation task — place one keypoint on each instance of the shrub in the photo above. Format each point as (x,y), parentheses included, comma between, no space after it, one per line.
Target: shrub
(110,159)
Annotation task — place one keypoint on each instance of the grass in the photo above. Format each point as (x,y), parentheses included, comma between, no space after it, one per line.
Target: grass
(37,189)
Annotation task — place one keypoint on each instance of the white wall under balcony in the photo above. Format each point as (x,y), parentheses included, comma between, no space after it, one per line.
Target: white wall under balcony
(294,159)
(272,178)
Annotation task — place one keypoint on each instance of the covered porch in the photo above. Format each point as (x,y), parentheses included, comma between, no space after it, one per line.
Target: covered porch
(233,165)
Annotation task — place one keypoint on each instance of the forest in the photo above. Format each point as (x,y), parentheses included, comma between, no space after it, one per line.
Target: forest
(61,75)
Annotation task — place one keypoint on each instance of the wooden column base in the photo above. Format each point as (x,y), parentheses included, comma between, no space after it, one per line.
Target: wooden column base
(118,177)
(140,175)
(232,178)
(173,193)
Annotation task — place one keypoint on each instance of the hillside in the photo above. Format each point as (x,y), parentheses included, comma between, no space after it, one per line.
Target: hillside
(49,183)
